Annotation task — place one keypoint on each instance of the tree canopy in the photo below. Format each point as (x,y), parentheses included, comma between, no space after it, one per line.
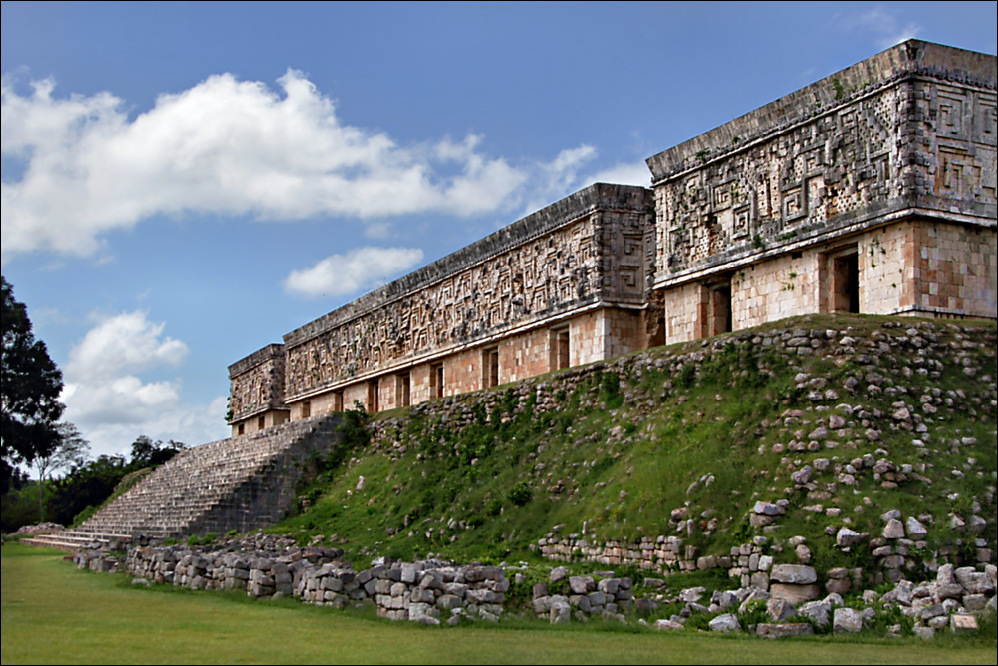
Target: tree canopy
(71,451)
(30,384)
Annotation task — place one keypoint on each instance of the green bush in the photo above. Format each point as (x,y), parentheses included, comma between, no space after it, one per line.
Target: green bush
(520,494)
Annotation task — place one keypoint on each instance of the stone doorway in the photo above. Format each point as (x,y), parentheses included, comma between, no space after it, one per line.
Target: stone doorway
(841,283)
(719,309)
(490,367)
(561,348)
(845,282)
(402,389)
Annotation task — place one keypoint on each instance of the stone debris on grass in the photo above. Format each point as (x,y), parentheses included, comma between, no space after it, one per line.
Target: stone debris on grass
(437,592)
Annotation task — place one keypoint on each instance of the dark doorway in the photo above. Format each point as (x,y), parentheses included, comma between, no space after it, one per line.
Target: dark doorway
(437,380)
(720,309)
(402,388)
(490,367)
(845,283)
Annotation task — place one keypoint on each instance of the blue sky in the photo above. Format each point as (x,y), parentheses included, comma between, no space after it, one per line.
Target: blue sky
(184,183)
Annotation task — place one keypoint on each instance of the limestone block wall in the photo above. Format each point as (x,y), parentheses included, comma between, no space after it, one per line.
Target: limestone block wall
(872,190)
(954,269)
(921,267)
(751,564)
(590,250)
(463,372)
(605,596)
(352,395)
(592,336)
(434,592)
(686,315)
(427,591)
(929,268)
(525,355)
(603,334)
(786,286)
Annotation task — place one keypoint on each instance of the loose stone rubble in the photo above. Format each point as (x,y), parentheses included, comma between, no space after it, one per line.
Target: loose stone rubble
(429,591)
(433,591)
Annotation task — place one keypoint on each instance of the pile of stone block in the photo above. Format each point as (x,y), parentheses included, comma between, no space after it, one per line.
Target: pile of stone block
(428,591)
(601,595)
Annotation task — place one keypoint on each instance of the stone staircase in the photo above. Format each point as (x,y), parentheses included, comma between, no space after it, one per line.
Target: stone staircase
(71,541)
(242,483)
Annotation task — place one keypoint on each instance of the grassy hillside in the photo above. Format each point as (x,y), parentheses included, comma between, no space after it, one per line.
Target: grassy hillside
(841,417)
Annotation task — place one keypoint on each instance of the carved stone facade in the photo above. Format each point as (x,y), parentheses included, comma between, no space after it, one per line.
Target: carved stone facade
(256,399)
(564,286)
(873,190)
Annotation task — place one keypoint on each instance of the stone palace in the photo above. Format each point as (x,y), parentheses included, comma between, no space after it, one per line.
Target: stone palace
(871,191)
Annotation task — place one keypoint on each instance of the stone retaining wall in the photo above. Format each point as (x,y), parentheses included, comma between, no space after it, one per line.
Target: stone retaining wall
(600,595)
(898,550)
(431,591)
(427,591)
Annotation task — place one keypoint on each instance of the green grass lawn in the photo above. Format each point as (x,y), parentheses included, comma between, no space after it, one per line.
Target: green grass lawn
(53,613)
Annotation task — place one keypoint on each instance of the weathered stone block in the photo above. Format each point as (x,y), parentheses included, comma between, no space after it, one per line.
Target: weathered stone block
(726,622)
(448,602)
(847,620)
(784,630)
(795,594)
(797,574)
(780,610)
(960,623)
(581,584)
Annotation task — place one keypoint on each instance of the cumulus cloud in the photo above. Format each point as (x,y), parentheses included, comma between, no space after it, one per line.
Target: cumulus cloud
(232,147)
(358,270)
(118,400)
(124,343)
(108,400)
(184,422)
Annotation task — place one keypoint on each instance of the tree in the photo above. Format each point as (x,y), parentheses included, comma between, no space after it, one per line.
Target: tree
(30,384)
(71,451)
(147,453)
(85,486)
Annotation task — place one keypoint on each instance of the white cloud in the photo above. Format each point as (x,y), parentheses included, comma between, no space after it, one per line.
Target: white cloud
(124,343)
(636,173)
(233,147)
(358,270)
(557,178)
(888,30)
(378,230)
(191,424)
(118,400)
(112,405)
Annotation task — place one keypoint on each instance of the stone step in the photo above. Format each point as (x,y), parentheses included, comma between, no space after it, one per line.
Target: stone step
(214,484)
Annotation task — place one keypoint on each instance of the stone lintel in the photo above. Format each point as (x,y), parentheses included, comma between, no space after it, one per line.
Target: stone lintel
(274,406)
